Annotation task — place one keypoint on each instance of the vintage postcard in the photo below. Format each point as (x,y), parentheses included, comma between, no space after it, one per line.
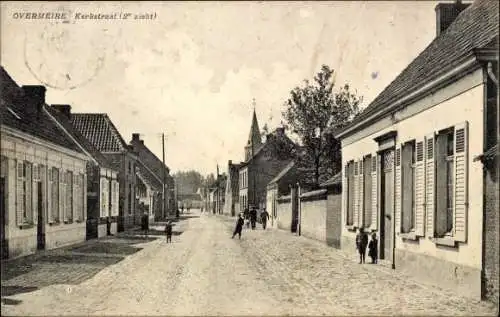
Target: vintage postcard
(249,158)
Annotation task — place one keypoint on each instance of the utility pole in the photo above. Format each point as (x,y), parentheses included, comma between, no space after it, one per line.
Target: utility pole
(218,191)
(255,199)
(164,177)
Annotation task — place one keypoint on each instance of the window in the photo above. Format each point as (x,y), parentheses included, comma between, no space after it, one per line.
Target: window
(104,197)
(408,161)
(79,197)
(444,173)
(349,172)
(24,193)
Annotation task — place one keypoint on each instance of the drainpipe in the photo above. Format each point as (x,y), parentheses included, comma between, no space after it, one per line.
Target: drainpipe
(393,265)
(492,74)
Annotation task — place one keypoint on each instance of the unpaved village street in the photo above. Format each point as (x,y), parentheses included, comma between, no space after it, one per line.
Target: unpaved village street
(205,272)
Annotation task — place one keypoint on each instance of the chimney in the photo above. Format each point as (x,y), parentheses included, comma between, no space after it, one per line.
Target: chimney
(64,109)
(230,162)
(280,131)
(446,13)
(36,94)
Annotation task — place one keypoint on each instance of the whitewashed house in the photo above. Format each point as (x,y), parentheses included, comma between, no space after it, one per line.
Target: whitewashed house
(43,175)
(408,159)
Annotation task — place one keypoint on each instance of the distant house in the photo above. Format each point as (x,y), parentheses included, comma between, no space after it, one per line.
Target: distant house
(263,161)
(161,173)
(149,193)
(231,204)
(287,179)
(102,178)
(103,135)
(408,159)
(43,175)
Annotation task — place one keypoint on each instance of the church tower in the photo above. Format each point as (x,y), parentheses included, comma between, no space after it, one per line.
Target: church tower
(254,138)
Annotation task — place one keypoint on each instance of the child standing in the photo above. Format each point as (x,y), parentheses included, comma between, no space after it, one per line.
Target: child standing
(373,248)
(361,243)
(168,231)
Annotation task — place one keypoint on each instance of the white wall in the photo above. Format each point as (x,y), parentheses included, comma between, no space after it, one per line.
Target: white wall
(461,101)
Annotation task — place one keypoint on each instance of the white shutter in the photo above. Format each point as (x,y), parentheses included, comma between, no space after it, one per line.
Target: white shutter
(102,198)
(460,182)
(345,193)
(34,198)
(19,193)
(430,183)
(84,196)
(361,186)
(419,189)
(117,198)
(29,192)
(62,195)
(397,189)
(374,168)
(76,190)
(356,195)
(50,214)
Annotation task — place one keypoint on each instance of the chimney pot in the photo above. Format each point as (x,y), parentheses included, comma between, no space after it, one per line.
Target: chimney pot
(35,93)
(446,13)
(64,109)
(135,137)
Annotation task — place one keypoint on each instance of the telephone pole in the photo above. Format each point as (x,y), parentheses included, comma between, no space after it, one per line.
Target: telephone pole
(163,210)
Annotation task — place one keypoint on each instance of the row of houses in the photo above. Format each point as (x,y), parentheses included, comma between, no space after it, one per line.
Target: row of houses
(67,177)
(419,165)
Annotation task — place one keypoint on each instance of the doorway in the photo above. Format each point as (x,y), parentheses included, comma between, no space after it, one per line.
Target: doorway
(41,223)
(387,199)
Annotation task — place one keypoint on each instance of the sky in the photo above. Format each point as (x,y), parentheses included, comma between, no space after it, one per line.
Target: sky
(192,70)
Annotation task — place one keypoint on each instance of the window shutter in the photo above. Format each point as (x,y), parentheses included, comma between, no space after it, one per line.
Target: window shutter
(102,198)
(374,193)
(83,178)
(345,193)
(397,189)
(62,196)
(430,183)
(34,196)
(420,189)
(76,199)
(460,182)
(50,214)
(19,193)
(29,192)
(356,195)
(117,197)
(361,198)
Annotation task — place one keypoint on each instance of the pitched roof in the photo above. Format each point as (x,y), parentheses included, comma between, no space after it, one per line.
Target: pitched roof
(335,180)
(275,136)
(283,172)
(151,161)
(82,140)
(20,112)
(100,131)
(148,177)
(475,27)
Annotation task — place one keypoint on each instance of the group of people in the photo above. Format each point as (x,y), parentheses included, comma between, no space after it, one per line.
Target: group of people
(362,243)
(250,217)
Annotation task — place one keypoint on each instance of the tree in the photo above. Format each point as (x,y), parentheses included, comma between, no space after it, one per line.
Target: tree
(313,112)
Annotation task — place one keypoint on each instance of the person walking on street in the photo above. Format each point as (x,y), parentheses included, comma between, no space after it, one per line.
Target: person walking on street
(239,227)
(246,215)
(373,248)
(168,231)
(145,224)
(361,244)
(264,216)
(253,217)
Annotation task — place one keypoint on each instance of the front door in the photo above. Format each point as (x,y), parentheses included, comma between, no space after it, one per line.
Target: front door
(41,222)
(387,199)
(4,248)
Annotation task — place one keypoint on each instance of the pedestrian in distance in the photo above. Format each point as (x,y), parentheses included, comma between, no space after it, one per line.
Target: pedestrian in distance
(246,215)
(168,231)
(239,226)
(264,216)
(373,248)
(253,217)
(145,224)
(361,244)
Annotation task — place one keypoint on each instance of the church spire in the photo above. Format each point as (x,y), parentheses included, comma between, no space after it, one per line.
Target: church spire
(254,136)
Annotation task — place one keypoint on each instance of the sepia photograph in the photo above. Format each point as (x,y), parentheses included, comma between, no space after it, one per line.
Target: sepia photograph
(249,158)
